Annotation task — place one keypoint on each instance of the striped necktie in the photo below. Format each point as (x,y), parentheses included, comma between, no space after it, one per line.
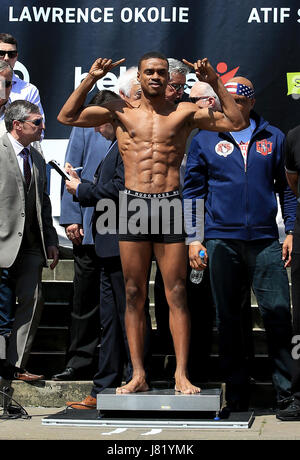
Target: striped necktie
(26,166)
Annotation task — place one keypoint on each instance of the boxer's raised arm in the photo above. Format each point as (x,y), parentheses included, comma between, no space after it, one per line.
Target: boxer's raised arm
(218,121)
(74,113)
(231,118)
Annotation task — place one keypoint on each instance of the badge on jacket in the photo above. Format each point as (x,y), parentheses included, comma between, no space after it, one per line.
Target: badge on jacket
(264,147)
(224,148)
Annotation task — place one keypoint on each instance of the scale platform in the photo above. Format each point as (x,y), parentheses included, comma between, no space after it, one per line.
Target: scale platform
(209,400)
(156,408)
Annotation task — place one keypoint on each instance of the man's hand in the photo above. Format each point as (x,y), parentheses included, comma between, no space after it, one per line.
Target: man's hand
(103,65)
(71,185)
(195,261)
(287,250)
(74,233)
(204,70)
(53,253)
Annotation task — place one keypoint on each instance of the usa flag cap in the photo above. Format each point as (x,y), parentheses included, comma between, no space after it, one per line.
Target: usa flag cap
(240,89)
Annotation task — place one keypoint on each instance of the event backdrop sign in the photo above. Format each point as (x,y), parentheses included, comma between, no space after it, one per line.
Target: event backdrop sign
(59,41)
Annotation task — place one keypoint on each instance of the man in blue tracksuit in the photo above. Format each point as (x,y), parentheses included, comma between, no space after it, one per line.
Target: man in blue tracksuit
(238,176)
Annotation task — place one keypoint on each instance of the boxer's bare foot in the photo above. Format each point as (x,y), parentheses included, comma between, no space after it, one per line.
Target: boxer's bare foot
(137,384)
(183,385)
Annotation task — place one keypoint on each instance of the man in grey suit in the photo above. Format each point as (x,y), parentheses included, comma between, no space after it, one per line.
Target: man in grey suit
(27,235)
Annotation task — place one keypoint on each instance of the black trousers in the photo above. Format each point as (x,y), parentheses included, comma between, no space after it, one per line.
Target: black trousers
(84,328)
(200,304)
(114,352)
(202,310)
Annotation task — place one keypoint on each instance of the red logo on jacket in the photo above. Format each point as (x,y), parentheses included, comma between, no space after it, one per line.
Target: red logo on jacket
(264,147)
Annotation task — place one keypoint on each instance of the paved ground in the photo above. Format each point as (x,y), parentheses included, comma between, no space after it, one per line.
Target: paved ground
(265,427)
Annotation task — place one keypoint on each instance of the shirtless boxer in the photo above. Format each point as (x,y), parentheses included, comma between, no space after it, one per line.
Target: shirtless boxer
(151,136)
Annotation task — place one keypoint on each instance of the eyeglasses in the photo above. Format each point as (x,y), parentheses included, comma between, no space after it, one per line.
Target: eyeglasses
(8,83)
(10,54)
(35,122)
(196,99)
(178,86)
(138,94)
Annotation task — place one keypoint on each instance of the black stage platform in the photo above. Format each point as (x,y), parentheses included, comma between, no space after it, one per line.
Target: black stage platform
(148,419)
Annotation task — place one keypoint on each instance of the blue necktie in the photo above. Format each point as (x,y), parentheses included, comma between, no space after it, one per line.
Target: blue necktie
(26,166)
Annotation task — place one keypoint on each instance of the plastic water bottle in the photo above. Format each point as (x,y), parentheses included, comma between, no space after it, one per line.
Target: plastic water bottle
(197,275)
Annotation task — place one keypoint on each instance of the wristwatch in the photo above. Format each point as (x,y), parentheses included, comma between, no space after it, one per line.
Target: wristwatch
(289,232)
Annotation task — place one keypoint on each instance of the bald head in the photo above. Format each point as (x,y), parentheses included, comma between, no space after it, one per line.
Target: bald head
(243,94)
(204,96)
(200,88)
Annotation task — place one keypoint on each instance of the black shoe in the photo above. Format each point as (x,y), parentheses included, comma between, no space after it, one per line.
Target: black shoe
(283,403)
(67,374)
(290,413)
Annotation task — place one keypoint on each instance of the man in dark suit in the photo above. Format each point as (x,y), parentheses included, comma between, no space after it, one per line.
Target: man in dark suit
(113,352)
(27,235)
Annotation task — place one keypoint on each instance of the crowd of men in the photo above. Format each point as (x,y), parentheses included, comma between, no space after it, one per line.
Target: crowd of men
(140,151)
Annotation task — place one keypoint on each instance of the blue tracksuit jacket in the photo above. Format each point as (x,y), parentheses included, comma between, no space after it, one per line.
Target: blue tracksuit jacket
(240,202)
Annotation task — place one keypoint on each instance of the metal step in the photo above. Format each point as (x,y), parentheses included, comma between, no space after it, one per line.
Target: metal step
(48,363)
(54,338)
(56,314)
(57,291)
(160,400)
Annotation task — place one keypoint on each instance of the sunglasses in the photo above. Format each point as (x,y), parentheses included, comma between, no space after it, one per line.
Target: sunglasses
(10,54)
(35,122)
(178,86)
(196,99)
(8,83)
